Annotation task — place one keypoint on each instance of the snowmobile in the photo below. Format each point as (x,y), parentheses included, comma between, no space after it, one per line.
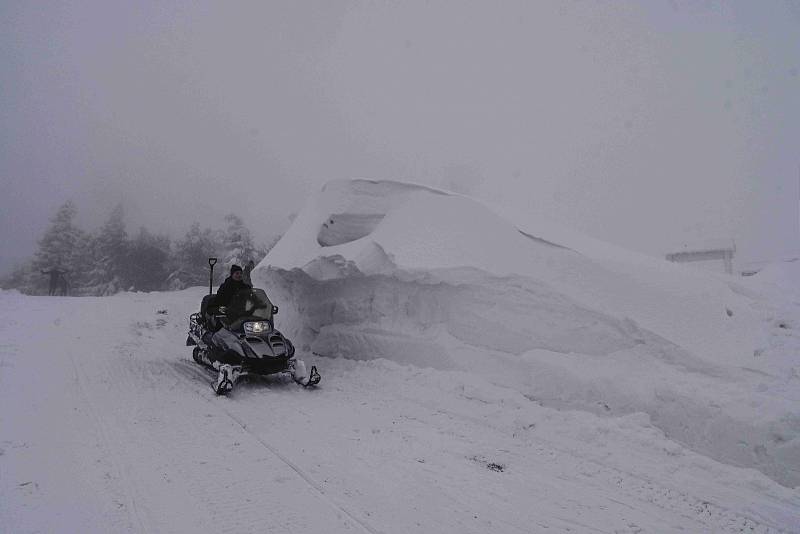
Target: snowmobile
(241,339)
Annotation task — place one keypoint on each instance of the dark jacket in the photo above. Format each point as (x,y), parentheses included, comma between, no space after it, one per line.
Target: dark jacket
(227,290)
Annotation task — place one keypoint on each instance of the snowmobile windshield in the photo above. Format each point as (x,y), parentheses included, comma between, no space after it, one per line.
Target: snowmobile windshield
(250,303)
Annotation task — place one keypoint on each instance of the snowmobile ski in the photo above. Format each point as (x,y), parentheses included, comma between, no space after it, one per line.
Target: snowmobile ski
(313,378)
(225,379)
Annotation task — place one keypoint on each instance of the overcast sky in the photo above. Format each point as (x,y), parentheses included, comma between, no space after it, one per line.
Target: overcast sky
(646,124)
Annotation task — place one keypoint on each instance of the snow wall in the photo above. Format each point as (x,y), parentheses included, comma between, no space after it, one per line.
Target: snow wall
(377,269)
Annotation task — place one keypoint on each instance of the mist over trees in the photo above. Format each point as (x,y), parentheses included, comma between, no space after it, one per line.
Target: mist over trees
(110,260)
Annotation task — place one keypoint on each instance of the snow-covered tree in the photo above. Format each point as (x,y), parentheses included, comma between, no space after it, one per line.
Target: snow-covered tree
(110,256)
(147,267)
(80,279)
(24,278)
(59,248)
(108,261)
(190,259)
(237,242)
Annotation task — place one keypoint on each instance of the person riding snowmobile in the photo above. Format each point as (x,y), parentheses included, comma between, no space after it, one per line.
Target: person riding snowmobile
(232,285)
(234,333)
(221,301)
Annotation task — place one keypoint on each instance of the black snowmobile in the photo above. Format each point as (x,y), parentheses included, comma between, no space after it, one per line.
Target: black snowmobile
(241,339)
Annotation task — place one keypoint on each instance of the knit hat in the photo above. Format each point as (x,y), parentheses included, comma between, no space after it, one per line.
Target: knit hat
(235,268)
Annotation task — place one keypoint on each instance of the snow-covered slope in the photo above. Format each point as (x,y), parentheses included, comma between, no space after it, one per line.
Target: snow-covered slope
(376,269)
(780,278)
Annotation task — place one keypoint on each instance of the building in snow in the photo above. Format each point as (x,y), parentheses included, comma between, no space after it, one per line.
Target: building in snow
(716,255)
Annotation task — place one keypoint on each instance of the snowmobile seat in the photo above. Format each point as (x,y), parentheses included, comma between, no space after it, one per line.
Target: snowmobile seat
(207,301)
(209,312)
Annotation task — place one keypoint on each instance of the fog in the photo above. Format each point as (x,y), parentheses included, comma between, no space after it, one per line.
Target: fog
(648,125)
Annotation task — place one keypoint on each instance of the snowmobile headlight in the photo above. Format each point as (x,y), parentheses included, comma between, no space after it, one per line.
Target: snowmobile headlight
(256,327)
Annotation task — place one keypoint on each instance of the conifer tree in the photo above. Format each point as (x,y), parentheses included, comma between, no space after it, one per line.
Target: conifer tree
(237,242)
(108,261)
(58,247)
(190,260)
(148,261)
(80,277)
(110,256)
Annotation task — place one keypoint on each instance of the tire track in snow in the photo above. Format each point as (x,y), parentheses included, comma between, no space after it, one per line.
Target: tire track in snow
(195,479)
(236,493)
(639,488)
(131,505)
(576,465)
(308,479)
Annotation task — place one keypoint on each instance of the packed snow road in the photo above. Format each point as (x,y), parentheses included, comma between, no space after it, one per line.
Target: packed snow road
(106,425)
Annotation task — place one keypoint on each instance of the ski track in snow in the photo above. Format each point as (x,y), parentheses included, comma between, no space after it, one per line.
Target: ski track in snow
(115,429)
(192,372)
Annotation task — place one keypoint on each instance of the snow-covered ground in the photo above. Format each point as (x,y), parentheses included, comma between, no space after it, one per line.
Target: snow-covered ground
(482,372)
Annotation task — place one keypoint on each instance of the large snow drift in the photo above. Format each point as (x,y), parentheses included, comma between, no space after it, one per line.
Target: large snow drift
(376,269)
